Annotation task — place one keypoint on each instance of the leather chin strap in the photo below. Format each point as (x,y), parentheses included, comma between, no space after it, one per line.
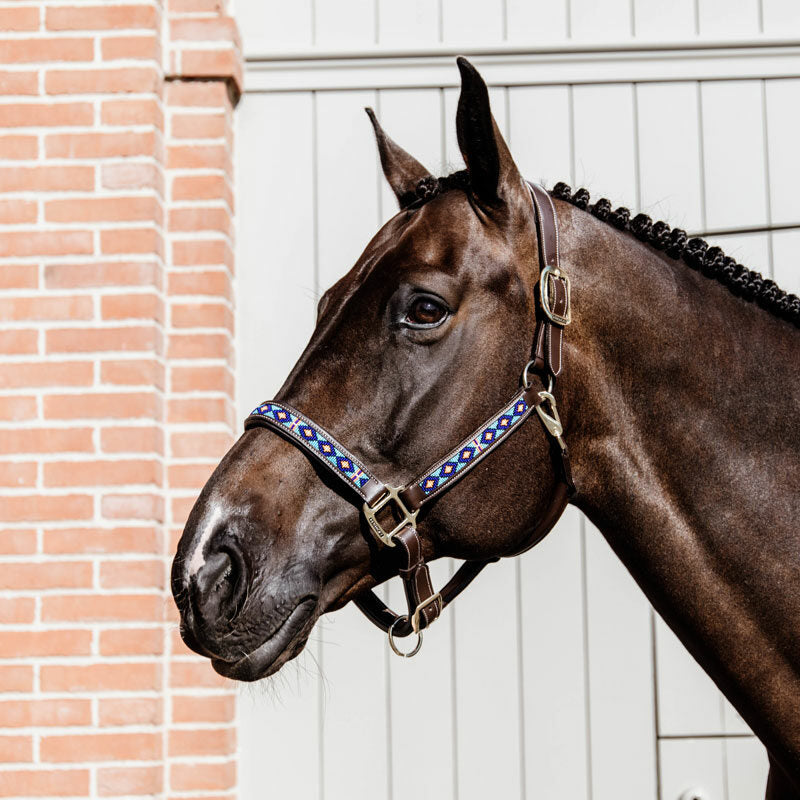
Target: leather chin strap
(391,512)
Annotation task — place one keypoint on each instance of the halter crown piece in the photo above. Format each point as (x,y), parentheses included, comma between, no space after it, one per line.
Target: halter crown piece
(401,504)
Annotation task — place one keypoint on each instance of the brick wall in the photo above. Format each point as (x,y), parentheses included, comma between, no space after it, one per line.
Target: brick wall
(116,388)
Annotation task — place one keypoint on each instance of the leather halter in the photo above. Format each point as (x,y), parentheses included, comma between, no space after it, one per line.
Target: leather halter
(399,505)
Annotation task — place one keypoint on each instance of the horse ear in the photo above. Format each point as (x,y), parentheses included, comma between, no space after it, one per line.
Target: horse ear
(493,175)
(402,170)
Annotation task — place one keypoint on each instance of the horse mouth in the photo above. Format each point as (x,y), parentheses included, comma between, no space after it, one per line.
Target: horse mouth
(272,654)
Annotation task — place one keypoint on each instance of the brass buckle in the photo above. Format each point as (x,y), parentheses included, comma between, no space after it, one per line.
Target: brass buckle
(544,292)
(371,515)
(420,608)
(551,421)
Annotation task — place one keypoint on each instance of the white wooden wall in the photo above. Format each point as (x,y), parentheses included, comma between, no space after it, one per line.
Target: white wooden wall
(687,110)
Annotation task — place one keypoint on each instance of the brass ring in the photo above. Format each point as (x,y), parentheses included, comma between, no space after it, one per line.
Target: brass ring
(395,649)
(526,383)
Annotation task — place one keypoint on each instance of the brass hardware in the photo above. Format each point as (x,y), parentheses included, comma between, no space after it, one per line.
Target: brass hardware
(526,381)
(420,608)
(551,421)
(395,649)
(544,292)
(370,513)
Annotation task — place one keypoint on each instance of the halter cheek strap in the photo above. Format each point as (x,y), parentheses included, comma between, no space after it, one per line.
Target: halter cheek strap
(399,506)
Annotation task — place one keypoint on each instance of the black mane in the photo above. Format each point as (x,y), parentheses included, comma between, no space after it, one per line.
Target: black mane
(695,252)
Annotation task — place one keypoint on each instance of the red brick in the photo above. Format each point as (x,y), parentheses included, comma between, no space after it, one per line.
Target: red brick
(19,276)
(132,306)
(19,342)
(133,372)
(189,476)
(199,345)
(91,81)
(19,18)
(132,642)
(16,147)
(205,742)
(45,783)
(130,439)
(202,187)
(133,506)
(200,445)
(18,82)
(13,409)
(132,574)
(46,440)
(202,379)
(17,678)
(102,473)
(199,409)
(100,145)
(43,307)
(132,112)
(44,373)
(41,508)
(199,126)
(196,673)
(197,93)
(16,748)
(17,542)
(205,708)
(120,711)
(131,47)
(201,252)
(112,273)
(101,747)
(89,340)
(80,541)
(131,240)
(93,608)
(29,713)
(35,115)
(112,405)
(132,175)
(99,17)
(17,474)
(202,315)
(16,212)
(31,644)
(204,29)
(47,575)
(18,51)
(100,677)
(103,209)
(202,777)
(16,611)
(211,156)
(117,781)
(200,218)
(38,243)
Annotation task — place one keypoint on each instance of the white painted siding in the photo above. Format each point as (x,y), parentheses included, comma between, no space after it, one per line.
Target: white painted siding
(580,692)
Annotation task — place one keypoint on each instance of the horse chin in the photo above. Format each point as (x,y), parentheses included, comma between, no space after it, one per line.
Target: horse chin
(286,643)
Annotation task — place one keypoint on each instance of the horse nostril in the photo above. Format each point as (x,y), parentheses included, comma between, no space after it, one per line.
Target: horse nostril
(218,586)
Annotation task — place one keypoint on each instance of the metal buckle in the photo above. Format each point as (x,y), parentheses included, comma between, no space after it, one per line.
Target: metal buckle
(544,293)
(371,512)
(551,421)
(420,608)
(395,649)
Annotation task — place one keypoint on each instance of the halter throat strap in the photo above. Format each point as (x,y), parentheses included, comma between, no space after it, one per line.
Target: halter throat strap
(399,506)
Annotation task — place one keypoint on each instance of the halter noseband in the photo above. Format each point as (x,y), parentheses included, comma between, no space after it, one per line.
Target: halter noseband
(402,503)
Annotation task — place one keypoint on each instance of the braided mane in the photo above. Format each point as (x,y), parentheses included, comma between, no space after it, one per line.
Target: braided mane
(695,252)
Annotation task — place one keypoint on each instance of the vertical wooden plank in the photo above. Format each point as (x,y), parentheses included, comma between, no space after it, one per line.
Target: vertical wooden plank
(537,22)
(468,21)
(420,688)
(747,768)
(605,151)
(733,154)
(720,18)
(553,657)
(275,232)
(612,19)
(268,25)
(621,689)
(345,23)
(689,703)
(670,167)
(408,22)
(781,17)
(540,135)
(785,247)
(355,747)
(654,19)
(693,764)
(782,99)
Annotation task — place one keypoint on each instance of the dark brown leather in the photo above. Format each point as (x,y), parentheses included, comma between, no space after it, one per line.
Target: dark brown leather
(412,496)
(372,490)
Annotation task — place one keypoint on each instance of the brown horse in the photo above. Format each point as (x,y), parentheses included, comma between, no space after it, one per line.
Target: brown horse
(681,405)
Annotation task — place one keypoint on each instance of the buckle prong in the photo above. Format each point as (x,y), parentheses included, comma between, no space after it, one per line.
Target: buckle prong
(415,618)
(371,515)
(544,292)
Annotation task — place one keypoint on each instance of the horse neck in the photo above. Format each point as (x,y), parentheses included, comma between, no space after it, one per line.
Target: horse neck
(682,404)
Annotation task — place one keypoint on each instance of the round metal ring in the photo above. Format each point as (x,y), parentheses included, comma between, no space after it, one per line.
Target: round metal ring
(395,649)
(526,382)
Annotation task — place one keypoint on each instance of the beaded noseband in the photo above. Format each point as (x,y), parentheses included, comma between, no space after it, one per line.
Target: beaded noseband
(399,505)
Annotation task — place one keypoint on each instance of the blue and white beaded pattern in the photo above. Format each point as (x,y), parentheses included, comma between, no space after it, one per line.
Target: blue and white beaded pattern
(316,440)
(491,433)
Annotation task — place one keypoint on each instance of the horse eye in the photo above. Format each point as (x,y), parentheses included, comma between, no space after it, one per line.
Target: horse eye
(425,312)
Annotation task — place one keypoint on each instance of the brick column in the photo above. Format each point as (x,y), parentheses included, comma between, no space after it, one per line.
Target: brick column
(116,388)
